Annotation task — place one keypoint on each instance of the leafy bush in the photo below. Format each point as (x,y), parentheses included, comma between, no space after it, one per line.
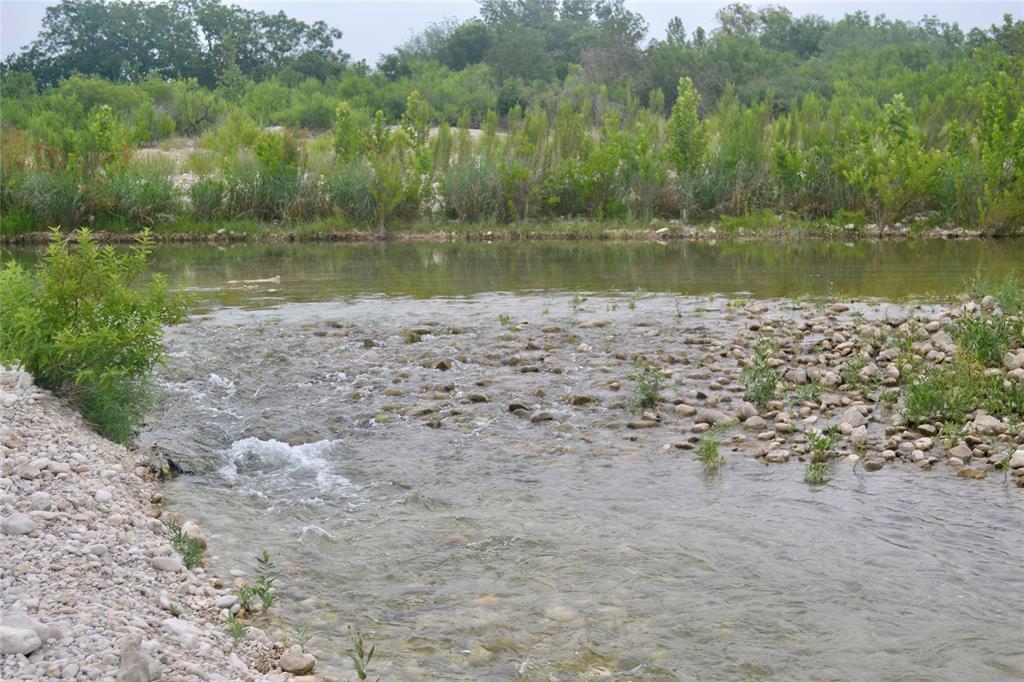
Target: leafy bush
(83,328)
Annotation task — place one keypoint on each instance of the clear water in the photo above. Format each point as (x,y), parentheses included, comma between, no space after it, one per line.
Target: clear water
(493,548)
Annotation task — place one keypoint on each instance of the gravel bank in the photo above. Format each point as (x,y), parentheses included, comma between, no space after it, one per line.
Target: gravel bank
(90,587)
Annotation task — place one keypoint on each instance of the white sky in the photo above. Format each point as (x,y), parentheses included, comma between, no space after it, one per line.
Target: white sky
(373,28)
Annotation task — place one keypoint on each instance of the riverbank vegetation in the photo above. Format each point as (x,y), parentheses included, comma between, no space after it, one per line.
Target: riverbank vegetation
(535,111)
(84,329)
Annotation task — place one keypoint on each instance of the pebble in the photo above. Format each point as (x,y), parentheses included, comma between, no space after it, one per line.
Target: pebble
(17,524)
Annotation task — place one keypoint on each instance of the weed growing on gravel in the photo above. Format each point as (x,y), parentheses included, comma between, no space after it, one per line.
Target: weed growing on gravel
(647,388)
(821,443)
(1009,293)
(1005,464)
(815,473)
(984,339)
(760,377)
(191,550)
(810,391)
(236,629)
(953,392)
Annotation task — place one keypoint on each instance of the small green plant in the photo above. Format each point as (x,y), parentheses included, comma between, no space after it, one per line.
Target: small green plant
(174,610)
(851,372)
(1005,464)
(984,338)
(647,387)
(236,629)
(1009,293)
(821,443)
(302,634)
(760,377)
(190,549)
(815,473)
(504,320)
(246,595)
(577,302)
(707,452)
(360,656)
(266,575)
(810,391)
(83,329)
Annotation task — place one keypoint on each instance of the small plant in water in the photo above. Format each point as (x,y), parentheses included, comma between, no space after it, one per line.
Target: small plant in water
(504,320)
(577,302)
(236,629)
(647,388)
(266,574)
(760,377)
(821,443)
(302,634)
(360,656)
(815,473)
(1005,464)
(707,452)
(190,549)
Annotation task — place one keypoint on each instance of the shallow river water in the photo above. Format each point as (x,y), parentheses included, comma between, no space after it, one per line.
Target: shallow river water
(351,414)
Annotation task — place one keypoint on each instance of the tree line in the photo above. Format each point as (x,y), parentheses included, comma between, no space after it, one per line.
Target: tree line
(557,108)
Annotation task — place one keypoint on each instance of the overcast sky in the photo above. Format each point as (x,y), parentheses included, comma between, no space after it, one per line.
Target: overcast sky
(373,28)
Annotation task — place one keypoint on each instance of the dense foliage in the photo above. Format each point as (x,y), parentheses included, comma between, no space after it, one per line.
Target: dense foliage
(535,110)
(82,328)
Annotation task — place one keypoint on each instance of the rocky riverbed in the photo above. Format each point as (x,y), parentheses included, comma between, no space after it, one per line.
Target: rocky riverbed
(90,587)
(431,424)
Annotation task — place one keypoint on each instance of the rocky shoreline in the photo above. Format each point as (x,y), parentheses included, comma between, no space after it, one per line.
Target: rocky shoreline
(90,587)
(557,231)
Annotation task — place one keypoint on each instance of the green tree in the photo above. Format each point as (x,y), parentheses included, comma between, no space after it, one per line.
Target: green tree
(349,140)
(687,140)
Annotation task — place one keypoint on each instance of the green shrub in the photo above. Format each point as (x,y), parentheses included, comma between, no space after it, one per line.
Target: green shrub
(83,329)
